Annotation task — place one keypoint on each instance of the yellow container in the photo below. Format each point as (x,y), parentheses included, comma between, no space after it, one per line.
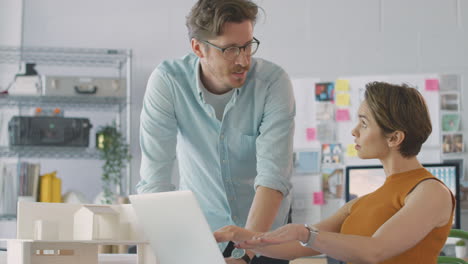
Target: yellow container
(56,190)
(51,188)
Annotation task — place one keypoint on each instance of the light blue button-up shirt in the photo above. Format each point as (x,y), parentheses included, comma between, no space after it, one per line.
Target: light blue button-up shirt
(222,162)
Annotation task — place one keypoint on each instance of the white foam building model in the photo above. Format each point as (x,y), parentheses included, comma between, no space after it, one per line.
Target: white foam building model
(53,233)
(96,222)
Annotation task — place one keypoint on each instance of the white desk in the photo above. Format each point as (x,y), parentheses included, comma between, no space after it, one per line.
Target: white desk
(103,258)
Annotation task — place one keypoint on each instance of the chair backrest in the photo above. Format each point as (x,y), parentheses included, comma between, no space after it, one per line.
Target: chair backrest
(456,233)
(450,260)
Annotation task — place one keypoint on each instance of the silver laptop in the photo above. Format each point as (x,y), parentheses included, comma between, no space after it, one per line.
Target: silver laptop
(176,228)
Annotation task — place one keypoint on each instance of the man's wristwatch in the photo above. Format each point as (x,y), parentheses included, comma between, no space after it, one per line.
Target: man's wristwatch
(313,232)
(239,253)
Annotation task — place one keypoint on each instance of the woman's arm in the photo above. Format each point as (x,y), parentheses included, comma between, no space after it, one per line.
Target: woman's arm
(427,207)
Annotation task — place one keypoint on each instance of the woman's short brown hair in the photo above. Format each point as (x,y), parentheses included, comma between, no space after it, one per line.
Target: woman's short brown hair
(400,107)
(207,17)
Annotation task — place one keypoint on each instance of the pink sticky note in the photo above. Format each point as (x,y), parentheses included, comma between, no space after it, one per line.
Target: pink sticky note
(318,198)
(432,85)
(311,134)
(342,115)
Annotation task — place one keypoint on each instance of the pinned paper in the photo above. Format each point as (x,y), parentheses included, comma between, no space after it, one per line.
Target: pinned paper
(342,85)
(449,101)
(432,85)
(452,143)
(307,162)
(326,132)
(311,134)
(351,150)
(449,82)
(342,115)
(342,99)
(324,111)
(450,122)
(332,182)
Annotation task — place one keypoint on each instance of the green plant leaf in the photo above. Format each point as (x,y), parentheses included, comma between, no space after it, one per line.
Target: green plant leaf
(114,150)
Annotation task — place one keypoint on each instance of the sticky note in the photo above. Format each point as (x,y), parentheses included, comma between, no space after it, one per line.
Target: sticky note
(342,115)
(351,150)
(318,198)
(342,85)
(311,134)
(342,99)
(432,85)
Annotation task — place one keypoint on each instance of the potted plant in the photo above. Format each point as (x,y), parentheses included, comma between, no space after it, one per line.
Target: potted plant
(460,248)
(115,152)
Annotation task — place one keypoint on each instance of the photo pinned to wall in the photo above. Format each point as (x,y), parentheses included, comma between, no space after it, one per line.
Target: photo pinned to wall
(452,143)
(332,153)
(333,183)
(326,131)
(325,111)
(449,101)
(324,92)
(307,162)
(450,122)
(450,82)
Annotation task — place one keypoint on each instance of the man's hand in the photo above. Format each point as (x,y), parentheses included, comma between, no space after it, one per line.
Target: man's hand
(234,233)
(284,234)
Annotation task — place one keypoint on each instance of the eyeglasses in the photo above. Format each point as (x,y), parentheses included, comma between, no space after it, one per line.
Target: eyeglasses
(231,53)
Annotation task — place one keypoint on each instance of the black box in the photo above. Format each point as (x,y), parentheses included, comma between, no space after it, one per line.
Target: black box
(49,131)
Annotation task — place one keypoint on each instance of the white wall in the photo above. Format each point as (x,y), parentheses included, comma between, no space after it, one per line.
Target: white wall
(309,38)
(11,18)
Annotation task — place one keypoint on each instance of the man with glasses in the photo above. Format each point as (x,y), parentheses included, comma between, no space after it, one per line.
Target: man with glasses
(229,120)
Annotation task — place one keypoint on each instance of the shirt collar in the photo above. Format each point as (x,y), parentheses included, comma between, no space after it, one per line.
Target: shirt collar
(200,85)
(199,82)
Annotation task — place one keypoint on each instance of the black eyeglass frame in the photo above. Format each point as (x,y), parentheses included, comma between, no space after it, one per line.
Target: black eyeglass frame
(238,47)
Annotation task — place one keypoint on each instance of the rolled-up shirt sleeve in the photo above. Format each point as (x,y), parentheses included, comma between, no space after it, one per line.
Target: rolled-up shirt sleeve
(275,141)
(158,136)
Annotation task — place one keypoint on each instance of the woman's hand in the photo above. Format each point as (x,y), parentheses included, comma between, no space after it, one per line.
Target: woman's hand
(284,234)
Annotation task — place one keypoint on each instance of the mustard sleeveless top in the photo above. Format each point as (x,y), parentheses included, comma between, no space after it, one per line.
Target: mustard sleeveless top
(373,210)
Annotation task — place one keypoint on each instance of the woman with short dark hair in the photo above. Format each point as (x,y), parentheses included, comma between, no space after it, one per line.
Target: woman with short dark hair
(407,220)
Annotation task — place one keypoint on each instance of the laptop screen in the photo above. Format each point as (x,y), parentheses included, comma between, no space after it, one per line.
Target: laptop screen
(176,228)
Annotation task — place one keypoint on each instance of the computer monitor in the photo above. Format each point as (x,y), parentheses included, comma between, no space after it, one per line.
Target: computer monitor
(361,180)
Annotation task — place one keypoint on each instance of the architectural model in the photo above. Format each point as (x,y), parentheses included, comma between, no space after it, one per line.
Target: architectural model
(53,233)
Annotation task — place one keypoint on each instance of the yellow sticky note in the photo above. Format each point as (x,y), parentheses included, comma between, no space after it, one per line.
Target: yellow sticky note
(342,85)
(351,150)
(342,99)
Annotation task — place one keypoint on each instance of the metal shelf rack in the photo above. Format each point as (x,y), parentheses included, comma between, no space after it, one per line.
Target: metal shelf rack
(119,59)
(49,152)
(69,102)
(64,56)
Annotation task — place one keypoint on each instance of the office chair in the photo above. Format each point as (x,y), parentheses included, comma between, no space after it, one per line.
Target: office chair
(458,233)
